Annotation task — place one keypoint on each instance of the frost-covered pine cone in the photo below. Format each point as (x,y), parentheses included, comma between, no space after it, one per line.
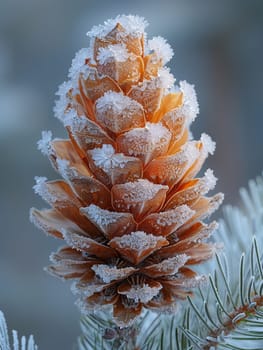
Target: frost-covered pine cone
(129,206)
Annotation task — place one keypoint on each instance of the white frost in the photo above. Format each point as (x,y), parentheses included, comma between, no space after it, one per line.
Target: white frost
(133,25)
(75,240)
(190,105)
(40,188)
(66,171)
(178,216)
(86,289)
(44,143)
(143,293)
(138,240)
(106,159)
(172,265)
(209,179)
(208,144)
(102,217)
(141,190)
(117,102)
(111,273)
(62,102)
(166,79)
(146,140)
(162,49)
(78,65)
(195,282)
(190,151)
(117,52)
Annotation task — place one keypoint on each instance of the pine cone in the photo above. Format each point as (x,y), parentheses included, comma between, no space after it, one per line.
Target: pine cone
(129,207)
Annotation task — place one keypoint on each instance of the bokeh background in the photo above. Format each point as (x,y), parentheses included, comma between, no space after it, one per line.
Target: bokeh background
(218,46)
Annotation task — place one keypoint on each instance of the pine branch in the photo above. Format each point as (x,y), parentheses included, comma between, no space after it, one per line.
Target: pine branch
(22,344)
(231,306)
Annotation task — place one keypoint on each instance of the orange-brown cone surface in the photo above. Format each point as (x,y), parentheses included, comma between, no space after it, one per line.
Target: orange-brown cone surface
(130,207)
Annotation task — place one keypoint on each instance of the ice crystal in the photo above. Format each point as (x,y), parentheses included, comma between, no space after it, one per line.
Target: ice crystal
(143,293)
(208,144)
(178,215)
(65,169)
(117,102)
(41,189)
(161,48)
(62,102)
(209,180)
(138,240)
(165,78)
(103,218)
(190,103)
(72,119)
(44,143)
(87,289)
(111,273)
(78,65)
(117,52)
(146,140)
(141,190)
(197,281)
(134,26)
(105,158)
(172,265)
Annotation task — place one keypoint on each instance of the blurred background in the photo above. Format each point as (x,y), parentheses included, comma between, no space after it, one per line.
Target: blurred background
(218,47)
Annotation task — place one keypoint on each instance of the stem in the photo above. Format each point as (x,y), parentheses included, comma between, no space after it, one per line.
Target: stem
(230,324)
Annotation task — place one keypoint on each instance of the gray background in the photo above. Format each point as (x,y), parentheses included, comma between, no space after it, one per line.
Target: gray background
(218,46)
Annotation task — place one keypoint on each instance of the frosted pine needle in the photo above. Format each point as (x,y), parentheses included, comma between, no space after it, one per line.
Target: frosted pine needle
(23,344)
(131,208)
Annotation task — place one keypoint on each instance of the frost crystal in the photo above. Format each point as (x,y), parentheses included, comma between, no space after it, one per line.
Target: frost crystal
(62,103)
(134,26)
(138,240)
(141,190)
(146,140)
(85,289)
(163,80)
(190,106)
(111,273)
(65,170)
(78,65)
(44,143)
(143,293)
(117,103)
(71,117)
(118,112)
(102,217)
(208,144)
(106,159)
(162,49)
(178,215)
(195,282)
(40,188)
(166,79)
(76,241)
(209,179)
(116,53)
(190,152)
(50,195)
(172,265)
